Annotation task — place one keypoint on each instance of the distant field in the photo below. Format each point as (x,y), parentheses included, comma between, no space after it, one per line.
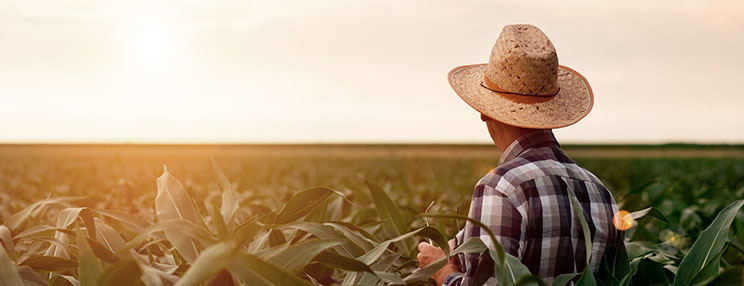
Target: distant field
(361,150)
(30,172)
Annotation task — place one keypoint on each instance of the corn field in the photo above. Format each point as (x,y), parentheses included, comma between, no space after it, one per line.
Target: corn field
(685,229)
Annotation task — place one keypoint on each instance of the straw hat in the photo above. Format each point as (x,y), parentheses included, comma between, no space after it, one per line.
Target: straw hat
(522,84)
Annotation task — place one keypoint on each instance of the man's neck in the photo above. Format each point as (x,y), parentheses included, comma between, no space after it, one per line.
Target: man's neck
(508,135)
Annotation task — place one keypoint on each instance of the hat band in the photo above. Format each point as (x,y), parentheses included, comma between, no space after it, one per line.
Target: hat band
(515,96)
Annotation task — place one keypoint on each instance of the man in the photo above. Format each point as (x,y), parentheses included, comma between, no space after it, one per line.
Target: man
(522,93)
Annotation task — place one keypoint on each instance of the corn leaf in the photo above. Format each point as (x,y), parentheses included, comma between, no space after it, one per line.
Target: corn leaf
(707,245)
(102,251)
(301,204)
(16,221)
(372,255)
(337,261)
(564,279)
(210,262)
(393,223)
(7,241)
(63,280)
(652,212)
(89,267)
(8,273)
(172,202)
(579,211)
(247,267)
(34,230)
(230,199)
(184,233)
(731,276)
(155,277)
(30,277)
(108,236)
(123,273)
(219,223)
(326,232)
(297,256)
(49,263)
(131,222)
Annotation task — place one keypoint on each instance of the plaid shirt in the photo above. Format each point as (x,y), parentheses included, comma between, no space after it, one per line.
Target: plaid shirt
(525,201)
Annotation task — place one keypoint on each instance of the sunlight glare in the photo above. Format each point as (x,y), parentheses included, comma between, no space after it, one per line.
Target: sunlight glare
(151,43)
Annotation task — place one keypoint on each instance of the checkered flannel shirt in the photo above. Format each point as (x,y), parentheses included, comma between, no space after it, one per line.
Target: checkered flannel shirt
(525,201)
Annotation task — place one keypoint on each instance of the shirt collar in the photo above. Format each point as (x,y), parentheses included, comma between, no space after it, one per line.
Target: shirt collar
(536,139)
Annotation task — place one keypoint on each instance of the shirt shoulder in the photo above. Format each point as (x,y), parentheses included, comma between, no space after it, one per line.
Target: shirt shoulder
(531,165)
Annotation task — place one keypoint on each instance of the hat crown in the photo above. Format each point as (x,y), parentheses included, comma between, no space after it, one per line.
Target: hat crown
(524,61)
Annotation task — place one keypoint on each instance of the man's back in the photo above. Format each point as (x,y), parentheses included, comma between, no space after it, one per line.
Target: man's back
(526,202)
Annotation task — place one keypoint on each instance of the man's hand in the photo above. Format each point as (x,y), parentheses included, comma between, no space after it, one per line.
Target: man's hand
(428,254)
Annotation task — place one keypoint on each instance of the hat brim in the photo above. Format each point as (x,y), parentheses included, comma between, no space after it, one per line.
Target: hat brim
(573,101)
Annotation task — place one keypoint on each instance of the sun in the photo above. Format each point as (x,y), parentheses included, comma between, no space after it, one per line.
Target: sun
(150,43)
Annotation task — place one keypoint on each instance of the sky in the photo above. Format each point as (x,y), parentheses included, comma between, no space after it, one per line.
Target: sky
(324,71)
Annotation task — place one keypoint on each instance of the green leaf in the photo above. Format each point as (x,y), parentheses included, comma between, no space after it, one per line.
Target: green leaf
(584,226)
(358,239)
(564,279)
(49,263)
(587,278)
(230,199)
(652,212)
(501,255)
(6,238)
(649,273)
(219,223)
(65,219)
(393,224)
(102,251)
(30,277)
(390,278)
(372,255)
(184,233)
(615,265)
(327,232)
(372,278)
(153,276)
(108,237)
(210,262)
(516,271)
(89,267)
(530,280)
(123,273)
(731,276)
(276,237)
(494,241)
(131,222)
(63,280)
(297,256)
(172,202)
(16,221)
(707,245)
(337,261)
(247,267)
(709,272)
(301,204)
(34,230)
(8,273)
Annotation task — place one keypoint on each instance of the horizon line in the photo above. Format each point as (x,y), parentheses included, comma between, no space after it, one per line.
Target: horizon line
(368,143)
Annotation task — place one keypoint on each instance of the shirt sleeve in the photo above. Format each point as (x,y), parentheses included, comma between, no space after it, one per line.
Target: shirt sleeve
(454,279)
(497,211)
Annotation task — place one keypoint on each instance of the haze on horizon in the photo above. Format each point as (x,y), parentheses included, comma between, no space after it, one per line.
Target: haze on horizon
(353,71)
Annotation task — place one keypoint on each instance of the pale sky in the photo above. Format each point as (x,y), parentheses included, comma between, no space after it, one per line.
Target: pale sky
(353,71)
